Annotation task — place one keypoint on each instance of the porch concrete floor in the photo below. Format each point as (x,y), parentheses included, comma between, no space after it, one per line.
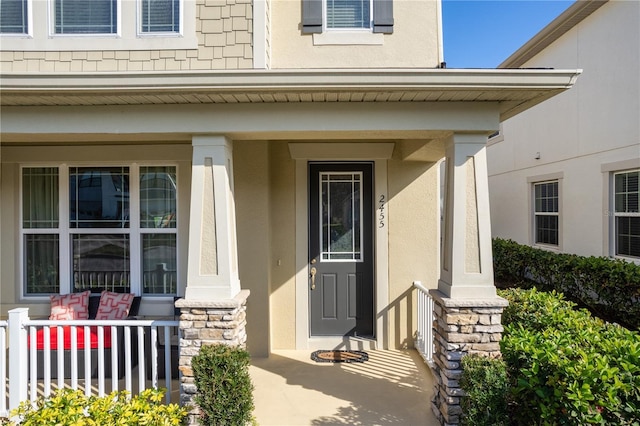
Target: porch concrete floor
(392,388)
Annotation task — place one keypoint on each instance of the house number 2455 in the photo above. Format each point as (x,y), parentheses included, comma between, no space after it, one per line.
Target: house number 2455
(382,201)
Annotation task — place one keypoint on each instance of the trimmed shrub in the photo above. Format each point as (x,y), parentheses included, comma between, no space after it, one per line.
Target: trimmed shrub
(484,382)
(225,391)
(73,407)
(610,288)
(566,367)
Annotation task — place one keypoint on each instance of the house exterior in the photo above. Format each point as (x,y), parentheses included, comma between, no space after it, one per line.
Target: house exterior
(568,169)
(272,164)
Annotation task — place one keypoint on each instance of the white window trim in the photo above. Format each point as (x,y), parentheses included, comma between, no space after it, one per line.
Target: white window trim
(612,215)
(531,182)
(41,35)
(65,230)
(347,36)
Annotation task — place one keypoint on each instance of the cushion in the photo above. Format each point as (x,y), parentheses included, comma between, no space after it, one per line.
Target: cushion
(114,306)
(74,306)
(66,330)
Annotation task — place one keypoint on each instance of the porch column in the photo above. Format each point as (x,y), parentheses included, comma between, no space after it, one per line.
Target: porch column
(214,306)
(212,271)
(467,311)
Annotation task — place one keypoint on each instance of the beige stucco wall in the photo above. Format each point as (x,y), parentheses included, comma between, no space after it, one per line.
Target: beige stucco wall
(576,133)
(414,42)
(35,155)
(223,30)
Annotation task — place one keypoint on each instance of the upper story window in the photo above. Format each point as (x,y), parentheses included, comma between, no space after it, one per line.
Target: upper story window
(74,25)
(99,228)
(348,14)
(14,17)
(626,213)
(85,16)
(322,15)
(546,213)
(160,16)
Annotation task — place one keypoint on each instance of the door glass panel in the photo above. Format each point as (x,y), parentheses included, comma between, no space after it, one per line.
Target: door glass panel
(158,197)
(159,264)
(341,216)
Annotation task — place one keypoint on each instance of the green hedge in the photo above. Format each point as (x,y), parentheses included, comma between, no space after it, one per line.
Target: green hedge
(484,381)
(225,391)
(566,367)
(610,288)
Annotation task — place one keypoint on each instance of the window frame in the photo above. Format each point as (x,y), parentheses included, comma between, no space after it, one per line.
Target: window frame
(327,29)
(42,37)
(143,34)
(29,19)
(613,215)
(65,232)
(532,182)
(53,25)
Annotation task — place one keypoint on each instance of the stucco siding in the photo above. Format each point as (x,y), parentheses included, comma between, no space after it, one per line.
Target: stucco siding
(414,43)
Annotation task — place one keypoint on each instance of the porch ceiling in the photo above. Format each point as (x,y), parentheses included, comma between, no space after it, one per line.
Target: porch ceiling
(514,90)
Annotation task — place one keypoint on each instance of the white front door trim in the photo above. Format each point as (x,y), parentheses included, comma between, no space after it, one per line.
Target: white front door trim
(379,153)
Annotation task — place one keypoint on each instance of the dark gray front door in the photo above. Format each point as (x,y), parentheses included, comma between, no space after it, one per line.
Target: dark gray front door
(341,258)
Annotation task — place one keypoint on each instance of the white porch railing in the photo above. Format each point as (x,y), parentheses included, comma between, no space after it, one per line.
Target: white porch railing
(97,357)
(424,338)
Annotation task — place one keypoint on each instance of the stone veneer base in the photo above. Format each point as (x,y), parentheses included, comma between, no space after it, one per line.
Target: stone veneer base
(461,326)
(207,322)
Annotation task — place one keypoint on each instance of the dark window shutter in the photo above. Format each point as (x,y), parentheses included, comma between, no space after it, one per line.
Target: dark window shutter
(383,16)
(311,16)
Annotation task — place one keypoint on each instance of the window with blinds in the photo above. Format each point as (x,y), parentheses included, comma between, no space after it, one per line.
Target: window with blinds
(160,16)
(13,17)
(86,17)
(546,213)
(348,14)
(627,213)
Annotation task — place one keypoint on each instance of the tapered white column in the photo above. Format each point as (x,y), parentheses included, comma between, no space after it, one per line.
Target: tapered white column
(213,261)
(467,268)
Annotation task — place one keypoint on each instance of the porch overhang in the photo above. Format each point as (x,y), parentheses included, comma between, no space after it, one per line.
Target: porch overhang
(514,90)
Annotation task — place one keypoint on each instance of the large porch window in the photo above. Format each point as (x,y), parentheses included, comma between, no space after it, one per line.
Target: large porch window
(99,228)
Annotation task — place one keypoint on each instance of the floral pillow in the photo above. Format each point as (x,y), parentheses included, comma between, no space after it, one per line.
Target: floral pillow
(74,306)
(114,306)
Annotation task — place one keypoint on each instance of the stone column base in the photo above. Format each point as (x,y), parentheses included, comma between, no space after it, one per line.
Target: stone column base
(207,322)
(462,326)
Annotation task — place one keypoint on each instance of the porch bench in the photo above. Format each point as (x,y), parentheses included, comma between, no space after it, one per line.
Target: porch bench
(94,302)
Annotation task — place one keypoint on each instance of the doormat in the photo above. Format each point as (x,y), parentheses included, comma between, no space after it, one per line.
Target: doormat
(339,356)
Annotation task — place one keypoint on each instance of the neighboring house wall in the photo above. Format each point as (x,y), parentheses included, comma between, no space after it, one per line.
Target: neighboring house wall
(580,136)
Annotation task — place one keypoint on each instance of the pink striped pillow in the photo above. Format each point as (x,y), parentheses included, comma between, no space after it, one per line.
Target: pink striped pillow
(74,306)
(114,306)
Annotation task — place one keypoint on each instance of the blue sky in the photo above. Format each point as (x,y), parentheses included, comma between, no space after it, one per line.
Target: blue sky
(483,33)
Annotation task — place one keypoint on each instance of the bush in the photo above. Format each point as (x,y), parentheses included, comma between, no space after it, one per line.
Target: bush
(566,367)
(225,391)
(484,381)
(610,288)
(73,407)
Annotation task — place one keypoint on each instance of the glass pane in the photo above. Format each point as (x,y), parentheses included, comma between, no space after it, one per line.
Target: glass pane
(158,197)
(546,197)
(99,197)
(160,16)
(101,262)
(13,17)
(348,13)
(547,230)
(40,197)
(627,192)
(341,216)
(42,269)
(628,236)
(159,264)
(86,16)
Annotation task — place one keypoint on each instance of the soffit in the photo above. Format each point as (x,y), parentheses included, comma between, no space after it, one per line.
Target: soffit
(514,90)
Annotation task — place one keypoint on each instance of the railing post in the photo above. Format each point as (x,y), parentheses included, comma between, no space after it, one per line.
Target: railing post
(18,378)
